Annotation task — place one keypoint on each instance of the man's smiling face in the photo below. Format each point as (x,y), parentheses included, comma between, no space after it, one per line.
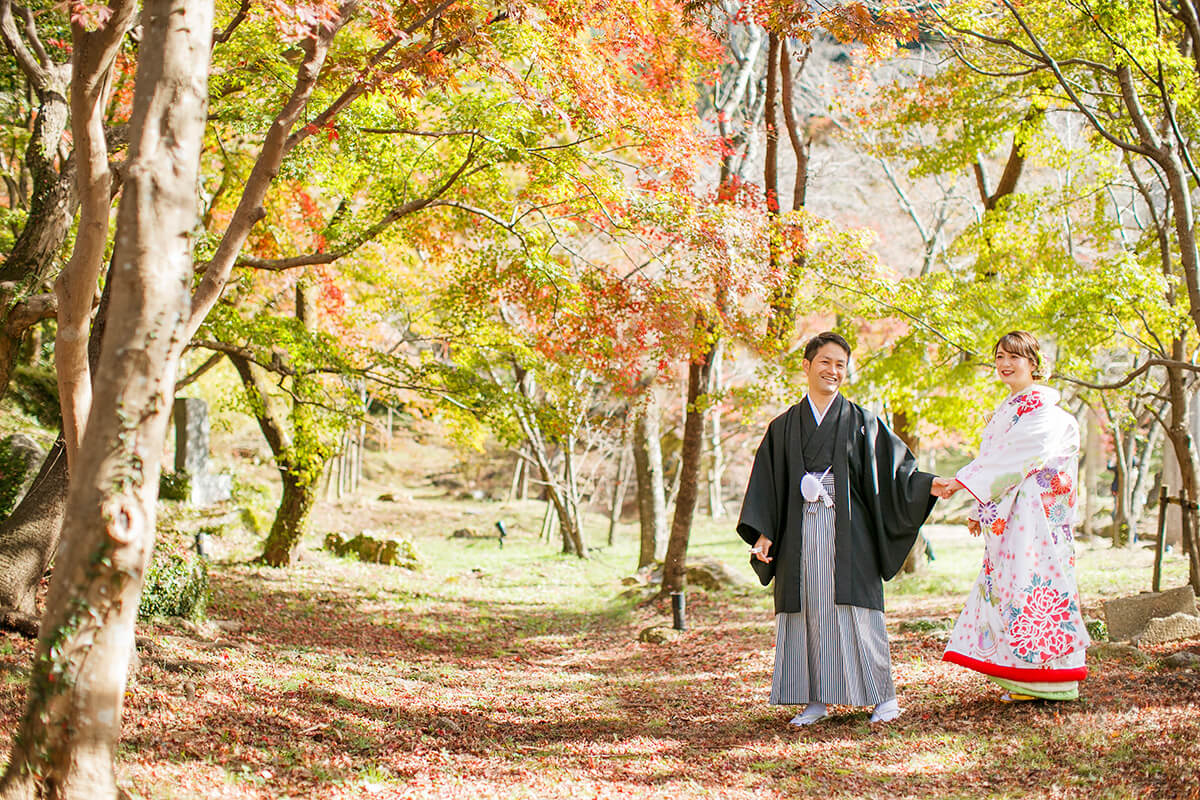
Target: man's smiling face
(826,371)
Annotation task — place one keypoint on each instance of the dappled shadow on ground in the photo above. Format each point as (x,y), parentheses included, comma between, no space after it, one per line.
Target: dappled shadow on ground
(333,691)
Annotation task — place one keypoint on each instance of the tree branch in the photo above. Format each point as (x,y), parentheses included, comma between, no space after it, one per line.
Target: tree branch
(222,36)
(249,209)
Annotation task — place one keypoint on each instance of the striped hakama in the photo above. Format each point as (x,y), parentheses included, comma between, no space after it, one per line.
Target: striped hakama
(829,653)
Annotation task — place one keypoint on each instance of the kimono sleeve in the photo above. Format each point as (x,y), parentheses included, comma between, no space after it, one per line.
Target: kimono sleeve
(766,493)
(1025,447)
(903,500)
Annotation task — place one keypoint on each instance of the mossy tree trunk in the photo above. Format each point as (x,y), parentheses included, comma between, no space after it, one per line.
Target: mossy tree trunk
(291,519)
(296,439)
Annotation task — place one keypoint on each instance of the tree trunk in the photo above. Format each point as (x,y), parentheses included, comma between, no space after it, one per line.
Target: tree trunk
(1090,474)
(675,566)
(68,735)
(1180,435)
(92,59)
(652,499)
(1122,533)
(572,524)
(28,539)
(1141,483)
(291,519)
(30,535)
(620,481)
(716,462)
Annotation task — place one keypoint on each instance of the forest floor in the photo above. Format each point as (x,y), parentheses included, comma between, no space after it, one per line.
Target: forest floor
(517,672)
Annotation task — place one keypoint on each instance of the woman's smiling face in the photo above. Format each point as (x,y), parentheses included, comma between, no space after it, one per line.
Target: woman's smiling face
(1015,371)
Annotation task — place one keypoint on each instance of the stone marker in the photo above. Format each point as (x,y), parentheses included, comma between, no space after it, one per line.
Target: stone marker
(1127,617)
(191,454)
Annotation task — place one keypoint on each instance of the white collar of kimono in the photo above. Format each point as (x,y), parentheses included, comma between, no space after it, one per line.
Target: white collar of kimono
(819,415)
(1049,396)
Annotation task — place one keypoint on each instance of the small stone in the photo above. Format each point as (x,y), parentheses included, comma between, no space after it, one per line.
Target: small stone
(1184,659)
(1105,651)
(445,725)
(658,634)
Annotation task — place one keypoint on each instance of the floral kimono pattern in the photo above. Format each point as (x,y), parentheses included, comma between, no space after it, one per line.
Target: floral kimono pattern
(1022,620)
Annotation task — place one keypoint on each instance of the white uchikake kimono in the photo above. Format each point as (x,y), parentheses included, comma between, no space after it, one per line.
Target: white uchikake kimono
(1022,625)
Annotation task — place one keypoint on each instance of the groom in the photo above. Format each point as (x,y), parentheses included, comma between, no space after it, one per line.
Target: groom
(833,506)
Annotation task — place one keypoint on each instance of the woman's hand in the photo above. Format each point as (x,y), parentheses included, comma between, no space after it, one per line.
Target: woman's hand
(973,527)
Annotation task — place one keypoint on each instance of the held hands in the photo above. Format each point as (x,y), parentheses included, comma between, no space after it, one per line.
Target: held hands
(945,487)
(761,548)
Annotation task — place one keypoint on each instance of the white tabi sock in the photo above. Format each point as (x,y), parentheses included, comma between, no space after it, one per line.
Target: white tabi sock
(887,711)
(813,712)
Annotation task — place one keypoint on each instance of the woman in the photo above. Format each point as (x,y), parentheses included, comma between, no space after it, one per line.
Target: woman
(1022,626)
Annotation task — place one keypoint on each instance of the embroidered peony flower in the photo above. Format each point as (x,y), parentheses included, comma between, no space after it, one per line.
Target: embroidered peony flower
(1045,477)
(1061,483)
(1029,402)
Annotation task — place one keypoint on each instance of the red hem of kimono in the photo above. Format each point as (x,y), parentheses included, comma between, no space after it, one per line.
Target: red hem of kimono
(1031,674)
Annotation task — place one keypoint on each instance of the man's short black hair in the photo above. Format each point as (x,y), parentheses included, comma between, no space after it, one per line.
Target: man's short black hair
(822,339)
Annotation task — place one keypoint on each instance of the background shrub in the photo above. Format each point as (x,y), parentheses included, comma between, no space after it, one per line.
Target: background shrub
(176,585)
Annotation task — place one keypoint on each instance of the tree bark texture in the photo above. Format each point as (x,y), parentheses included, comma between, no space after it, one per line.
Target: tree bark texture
(291,519)
(67,738)
(92,56)
(1180,435)
(28,539)
(716,450)
(52,202)
(651,491)
(699,371)
(29,536)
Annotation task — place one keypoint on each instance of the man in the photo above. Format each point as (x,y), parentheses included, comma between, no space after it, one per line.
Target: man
(833,506)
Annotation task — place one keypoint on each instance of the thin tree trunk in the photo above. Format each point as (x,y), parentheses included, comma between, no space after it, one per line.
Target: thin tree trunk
(621,480)
(572,523)
(518,472)
(67,739)
(652,499)
(1141,484)
(1180,435)
(716,463)
(92,59)
(699,371)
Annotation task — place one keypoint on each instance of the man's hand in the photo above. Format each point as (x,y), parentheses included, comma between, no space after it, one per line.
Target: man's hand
(761,548)
(944,487)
